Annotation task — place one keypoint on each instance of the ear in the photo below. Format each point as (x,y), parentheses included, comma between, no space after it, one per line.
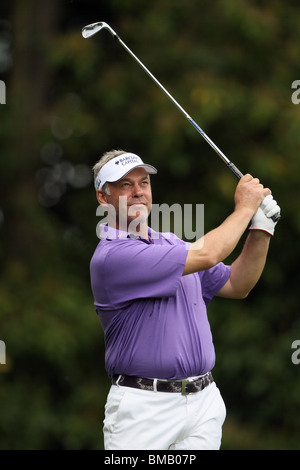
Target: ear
(101,197)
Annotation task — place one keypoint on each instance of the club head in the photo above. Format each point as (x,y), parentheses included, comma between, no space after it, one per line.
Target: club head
(94,28)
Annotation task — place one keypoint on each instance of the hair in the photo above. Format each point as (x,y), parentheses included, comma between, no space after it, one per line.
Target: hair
(106,157)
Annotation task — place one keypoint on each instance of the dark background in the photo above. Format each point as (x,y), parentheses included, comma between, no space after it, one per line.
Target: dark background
(231,65)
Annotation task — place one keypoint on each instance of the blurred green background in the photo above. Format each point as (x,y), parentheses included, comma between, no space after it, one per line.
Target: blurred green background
(231,65)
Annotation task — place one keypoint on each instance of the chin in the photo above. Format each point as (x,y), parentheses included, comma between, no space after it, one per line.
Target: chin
(138,211)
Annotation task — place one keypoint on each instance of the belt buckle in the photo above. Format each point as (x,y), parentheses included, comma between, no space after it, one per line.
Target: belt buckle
(183,385)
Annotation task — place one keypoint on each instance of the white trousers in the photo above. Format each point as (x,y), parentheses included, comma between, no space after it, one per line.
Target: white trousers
(141,419)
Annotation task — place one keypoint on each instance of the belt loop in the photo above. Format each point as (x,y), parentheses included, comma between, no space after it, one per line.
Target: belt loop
(183,384)
(154,385)
(118,379)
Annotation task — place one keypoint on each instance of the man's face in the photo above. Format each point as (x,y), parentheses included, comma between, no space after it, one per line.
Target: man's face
(131,197)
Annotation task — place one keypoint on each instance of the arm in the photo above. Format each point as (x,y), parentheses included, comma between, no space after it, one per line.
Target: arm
(248,267)
(219,243)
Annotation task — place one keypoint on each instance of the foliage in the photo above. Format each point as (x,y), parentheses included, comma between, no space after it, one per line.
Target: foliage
(230,65)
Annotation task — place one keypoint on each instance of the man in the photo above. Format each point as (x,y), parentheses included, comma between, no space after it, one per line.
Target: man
(151,293)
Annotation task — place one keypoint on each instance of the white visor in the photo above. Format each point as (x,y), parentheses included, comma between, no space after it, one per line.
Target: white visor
(118,167)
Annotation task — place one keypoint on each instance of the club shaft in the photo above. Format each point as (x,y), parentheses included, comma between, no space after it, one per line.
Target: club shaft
(230,165)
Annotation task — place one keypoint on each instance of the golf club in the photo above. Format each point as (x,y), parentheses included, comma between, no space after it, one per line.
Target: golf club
(93,28)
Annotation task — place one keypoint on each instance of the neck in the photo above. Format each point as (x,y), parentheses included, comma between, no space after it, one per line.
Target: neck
(141,230)
(135,226)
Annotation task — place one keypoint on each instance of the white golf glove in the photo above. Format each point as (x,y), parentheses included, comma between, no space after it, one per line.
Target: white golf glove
(262,218)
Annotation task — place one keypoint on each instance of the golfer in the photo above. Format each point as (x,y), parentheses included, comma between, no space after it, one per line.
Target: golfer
(151,291)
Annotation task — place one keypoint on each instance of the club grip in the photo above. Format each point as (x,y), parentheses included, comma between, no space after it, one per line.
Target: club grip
(235,170)
(239,175)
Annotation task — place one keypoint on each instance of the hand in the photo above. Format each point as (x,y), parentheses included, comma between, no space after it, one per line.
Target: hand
(270,206)
(250,193)
(262,218)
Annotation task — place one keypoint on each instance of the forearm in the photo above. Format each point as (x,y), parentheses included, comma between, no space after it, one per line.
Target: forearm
(248,267)
(218,244)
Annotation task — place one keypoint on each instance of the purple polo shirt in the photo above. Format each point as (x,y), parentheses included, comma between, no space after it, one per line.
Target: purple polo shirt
(154,319)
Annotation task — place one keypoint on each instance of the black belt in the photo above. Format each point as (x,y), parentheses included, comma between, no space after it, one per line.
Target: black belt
(185,387)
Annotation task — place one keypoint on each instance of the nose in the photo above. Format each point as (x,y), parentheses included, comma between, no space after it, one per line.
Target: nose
(137,190)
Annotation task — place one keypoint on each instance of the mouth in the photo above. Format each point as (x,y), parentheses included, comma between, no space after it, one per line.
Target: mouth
(137,204)
(138,209)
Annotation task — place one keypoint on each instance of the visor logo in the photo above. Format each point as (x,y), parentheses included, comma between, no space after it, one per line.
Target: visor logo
(128,159)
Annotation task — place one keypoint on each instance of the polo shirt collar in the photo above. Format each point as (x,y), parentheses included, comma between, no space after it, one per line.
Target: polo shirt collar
(111,233)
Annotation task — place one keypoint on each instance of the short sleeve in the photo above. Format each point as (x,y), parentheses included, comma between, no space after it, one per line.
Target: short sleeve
(124,270)
(213,280)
